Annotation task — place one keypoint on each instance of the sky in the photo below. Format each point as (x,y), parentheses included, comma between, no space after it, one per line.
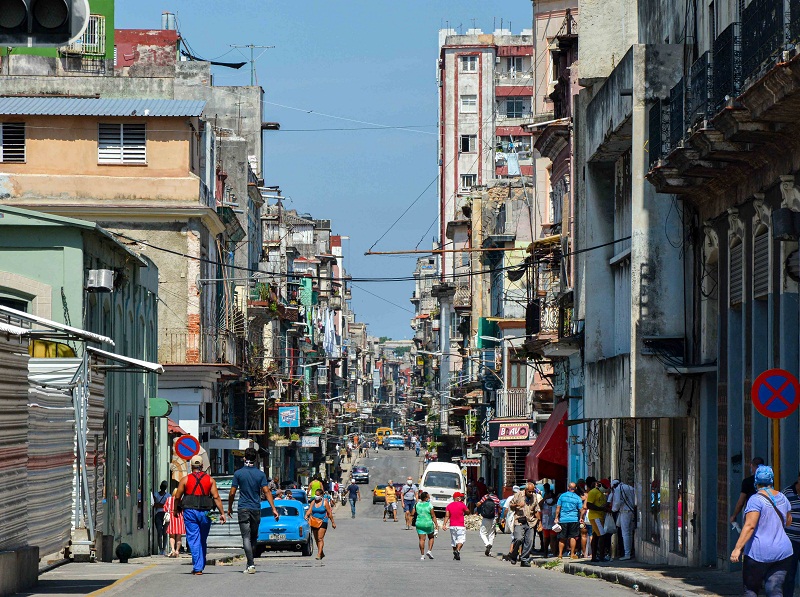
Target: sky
(334,64)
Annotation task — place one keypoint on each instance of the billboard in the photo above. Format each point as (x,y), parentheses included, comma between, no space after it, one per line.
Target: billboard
(288,416)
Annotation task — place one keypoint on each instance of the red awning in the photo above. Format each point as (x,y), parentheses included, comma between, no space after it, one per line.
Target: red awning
(548,456)
(173,427)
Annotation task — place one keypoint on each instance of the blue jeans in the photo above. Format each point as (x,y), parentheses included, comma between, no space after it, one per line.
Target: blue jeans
(353,507)
(198,525)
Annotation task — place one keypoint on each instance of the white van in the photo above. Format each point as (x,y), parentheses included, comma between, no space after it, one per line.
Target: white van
(441,480)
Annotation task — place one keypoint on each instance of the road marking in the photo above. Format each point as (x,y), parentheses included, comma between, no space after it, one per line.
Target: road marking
(119,581)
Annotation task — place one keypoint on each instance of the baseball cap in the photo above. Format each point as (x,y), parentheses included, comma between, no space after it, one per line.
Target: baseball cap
(457,494)
(605,483)
(764,475)
(515,488)
(196,460)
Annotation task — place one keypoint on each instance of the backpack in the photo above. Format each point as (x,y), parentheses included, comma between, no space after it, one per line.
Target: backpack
(488,508)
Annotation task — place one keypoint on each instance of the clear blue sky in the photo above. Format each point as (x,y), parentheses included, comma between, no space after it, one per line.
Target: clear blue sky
(372,61)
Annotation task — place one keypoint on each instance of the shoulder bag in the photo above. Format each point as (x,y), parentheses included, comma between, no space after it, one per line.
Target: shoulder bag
(774,507)
(314,522)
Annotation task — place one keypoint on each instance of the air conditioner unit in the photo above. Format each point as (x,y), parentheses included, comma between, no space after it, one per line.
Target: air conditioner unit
(100,280)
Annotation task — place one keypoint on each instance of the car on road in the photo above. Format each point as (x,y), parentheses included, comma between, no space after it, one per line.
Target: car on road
(394,441)
(379,493)
(441,480)
(297,494)
(290,533)
(360,474)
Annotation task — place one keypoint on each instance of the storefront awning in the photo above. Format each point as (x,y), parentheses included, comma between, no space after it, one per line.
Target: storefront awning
(548,457)
(173,427)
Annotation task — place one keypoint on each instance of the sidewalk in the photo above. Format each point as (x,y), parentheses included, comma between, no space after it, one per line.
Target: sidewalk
(662,581)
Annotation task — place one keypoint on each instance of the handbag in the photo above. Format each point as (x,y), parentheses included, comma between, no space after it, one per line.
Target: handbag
(166,518)
(609,526)
(414,519)
(315,522)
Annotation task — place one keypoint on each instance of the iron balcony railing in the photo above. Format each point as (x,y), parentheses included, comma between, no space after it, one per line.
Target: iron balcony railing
(762,33)
(676,114)
(698,92)
(513,402)
(727,69)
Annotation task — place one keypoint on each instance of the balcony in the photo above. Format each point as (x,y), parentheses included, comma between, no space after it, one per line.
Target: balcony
(463,296)
(181,347)
(514,403)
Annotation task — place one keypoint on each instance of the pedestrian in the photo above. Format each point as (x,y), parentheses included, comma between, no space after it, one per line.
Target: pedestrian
(159,500)
(173,519)
(792,493)
(426,524)
(483,489)
(349,453)
(354,495)
(409,494)
(609,522)
(316,483)
(417,446)
(549,538)
(526,505)
(580,491)
(252,483)
(748,488)
(454,518)
(318,516)
(472,496)
(390,501)
(624,503)
(489,509)
(596,503)
(767,549)
(568,514)
(198,495)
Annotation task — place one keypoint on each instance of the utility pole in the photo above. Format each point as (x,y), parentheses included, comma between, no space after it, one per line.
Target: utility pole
(252,58)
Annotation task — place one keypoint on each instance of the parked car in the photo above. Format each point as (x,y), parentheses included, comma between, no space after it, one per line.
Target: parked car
(290,533)
(298,495)
(379,493)
(394,441)
(360,474)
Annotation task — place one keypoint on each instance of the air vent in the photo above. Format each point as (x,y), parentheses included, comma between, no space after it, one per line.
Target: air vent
(100,280)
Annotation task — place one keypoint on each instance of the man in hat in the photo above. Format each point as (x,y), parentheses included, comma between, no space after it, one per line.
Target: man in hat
(197,493)
(526,505)
(454,517)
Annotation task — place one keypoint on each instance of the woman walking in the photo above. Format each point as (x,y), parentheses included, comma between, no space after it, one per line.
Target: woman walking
(318,516)
(175,526)
(426,524)
(767,549)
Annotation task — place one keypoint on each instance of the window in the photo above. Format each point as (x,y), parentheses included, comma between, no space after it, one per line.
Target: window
(469,64)
(465,259)
(121,144)
(555,66)
(517,375)
(469,104)
(469,143)
(515,65)
(12,142)
(652,469)
(514,107)
(468,181)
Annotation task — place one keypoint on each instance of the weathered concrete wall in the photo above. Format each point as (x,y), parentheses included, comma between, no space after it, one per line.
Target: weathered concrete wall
(19,570)
(607,30)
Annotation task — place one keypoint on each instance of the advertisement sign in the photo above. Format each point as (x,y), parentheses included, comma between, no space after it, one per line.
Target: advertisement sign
(309,441)
(289,416)
(350,407)
(509,431)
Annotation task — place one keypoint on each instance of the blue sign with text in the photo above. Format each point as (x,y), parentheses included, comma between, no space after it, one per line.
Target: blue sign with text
(289,416)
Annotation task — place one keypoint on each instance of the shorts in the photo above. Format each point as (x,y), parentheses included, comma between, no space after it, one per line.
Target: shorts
(458,535)
(547,533)
(570,530)
(596,526)
(425,531)
(390,506)
(408,505)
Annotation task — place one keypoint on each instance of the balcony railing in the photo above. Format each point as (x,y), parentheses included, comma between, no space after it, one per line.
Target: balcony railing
(762,33)
(676,114)
(513,402)
(180,347)
(697,96)
(727,65)
(463,296)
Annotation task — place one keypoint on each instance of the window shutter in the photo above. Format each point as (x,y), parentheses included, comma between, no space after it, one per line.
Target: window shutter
(122,144)
(761,265)
(12,142)
(134,149)
(735,274)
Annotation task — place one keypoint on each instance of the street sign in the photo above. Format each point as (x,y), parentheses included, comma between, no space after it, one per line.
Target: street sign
(187,446)
(289,416)
(776,393)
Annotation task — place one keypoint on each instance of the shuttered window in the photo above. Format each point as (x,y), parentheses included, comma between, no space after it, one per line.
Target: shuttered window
(12,142)
(761,265)
(122,144)
(735,275)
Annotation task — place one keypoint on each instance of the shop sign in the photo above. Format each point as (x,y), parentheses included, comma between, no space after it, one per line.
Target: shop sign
(509,431)
(309,441)
(281,443)
(350,407)
(289,416)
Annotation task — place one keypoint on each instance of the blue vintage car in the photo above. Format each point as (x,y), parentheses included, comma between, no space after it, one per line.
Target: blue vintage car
(290,533)
(394,441)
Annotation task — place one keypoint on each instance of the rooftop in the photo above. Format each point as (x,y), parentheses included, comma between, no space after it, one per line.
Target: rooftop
(68,106)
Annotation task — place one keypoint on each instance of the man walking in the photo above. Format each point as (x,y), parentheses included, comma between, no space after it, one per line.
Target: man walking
(597,504)
(354,495)
(454,518)
(390,506)
(489,509)
(569,512)
(623,503)
(409,493)
(526,506)
(159,499)
(197,494)
(252,483)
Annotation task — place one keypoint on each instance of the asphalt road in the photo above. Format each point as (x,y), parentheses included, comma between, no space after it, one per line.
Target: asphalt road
(364,557)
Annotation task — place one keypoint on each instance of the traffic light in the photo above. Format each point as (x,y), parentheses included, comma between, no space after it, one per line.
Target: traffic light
(42,23)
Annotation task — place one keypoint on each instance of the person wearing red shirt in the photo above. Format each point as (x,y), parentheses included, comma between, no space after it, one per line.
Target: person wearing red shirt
(454,518)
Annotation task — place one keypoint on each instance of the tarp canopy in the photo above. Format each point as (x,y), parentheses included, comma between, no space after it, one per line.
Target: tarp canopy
(547,458)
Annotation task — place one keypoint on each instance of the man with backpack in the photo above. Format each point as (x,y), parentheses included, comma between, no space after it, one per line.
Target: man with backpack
(489,509)
(409,493)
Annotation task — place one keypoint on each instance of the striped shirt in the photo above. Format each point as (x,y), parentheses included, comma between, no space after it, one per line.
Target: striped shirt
(495,499)
(793,530)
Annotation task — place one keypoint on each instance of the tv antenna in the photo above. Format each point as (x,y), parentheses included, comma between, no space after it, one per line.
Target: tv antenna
(252,58)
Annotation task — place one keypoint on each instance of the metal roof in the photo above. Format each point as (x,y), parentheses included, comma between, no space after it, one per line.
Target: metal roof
(53,327)
(68,106)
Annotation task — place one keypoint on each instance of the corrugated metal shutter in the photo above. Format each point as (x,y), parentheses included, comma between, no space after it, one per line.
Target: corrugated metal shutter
(515,465)
(761,265)
(735,274)
(13,442)
(121,144)
(96,449)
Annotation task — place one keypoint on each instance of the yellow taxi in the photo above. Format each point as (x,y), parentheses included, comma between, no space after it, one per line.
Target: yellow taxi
(379,493)
(381,432)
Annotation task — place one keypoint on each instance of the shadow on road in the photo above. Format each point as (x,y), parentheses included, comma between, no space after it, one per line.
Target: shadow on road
(67,587)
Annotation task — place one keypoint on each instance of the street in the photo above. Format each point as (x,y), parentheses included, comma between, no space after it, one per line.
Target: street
(364,557)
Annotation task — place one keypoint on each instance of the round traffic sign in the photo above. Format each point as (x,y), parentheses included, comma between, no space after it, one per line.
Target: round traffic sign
(187,446)
(776,393)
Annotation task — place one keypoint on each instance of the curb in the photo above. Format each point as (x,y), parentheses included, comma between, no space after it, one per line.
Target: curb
(634,580)
(53,565)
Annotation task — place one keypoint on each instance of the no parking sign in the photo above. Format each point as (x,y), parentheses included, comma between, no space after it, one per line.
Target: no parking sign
(187,446)
(776,393)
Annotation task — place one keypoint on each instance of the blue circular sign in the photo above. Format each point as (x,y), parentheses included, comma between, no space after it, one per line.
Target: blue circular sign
(776,393)
(187,446)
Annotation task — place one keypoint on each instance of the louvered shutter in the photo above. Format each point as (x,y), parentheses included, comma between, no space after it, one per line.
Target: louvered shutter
(12,142)
(122,144)
(134,150)
(735,275)
(761,265)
